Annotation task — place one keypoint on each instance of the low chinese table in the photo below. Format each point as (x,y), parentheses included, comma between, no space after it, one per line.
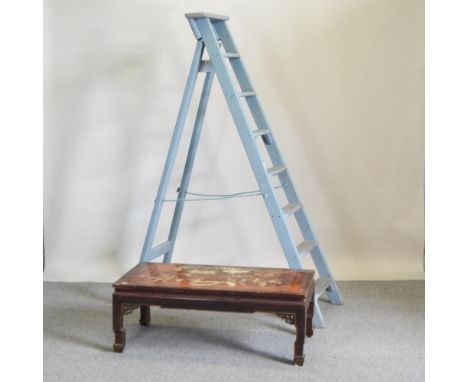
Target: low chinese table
(287,292)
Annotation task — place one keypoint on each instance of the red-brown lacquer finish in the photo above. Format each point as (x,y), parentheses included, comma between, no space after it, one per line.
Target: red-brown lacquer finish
(222,288)
(275,282)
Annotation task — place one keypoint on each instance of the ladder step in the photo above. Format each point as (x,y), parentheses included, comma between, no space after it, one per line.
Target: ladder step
(257,133)
(275,170)
(206,66)
(231,55)
(321,285)
(246,94)
(291,208)
(306,247)
(160,250)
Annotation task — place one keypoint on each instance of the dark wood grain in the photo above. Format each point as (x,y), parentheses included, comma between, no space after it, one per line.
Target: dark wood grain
(310,314)
(300,322)
(203,287)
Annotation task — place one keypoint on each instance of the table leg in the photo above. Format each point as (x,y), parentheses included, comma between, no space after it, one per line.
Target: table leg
(310,313)
(300,323)
(117,323)
(145,315)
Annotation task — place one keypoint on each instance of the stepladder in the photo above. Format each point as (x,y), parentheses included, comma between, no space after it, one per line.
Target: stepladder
(225,63)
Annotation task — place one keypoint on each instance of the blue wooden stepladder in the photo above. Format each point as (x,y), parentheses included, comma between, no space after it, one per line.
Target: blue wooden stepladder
(212,34)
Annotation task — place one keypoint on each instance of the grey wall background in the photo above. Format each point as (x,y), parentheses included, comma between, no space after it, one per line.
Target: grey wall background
(342,83)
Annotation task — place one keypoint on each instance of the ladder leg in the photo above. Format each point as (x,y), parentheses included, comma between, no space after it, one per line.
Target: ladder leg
(188,92)
(317,320)
(189,163)
(334,294)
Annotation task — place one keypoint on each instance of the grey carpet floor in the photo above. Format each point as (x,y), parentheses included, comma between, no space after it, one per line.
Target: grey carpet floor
(377,335)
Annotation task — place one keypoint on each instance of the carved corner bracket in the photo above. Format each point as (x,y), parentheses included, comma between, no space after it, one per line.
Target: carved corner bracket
(127,309)
(288,317)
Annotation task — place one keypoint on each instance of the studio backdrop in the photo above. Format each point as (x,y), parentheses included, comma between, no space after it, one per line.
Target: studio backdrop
(342,85)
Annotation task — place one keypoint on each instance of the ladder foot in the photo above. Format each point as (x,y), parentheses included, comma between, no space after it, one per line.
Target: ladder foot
(317,320)
(333,294)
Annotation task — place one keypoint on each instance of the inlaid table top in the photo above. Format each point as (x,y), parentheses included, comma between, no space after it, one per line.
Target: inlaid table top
(212,279)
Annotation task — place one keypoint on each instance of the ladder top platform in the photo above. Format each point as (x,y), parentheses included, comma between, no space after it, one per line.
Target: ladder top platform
(212,16)
(213,37)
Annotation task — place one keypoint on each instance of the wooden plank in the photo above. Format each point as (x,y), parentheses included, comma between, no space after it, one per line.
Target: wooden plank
(212,16)
(306,246)
(275,170)
(291,208)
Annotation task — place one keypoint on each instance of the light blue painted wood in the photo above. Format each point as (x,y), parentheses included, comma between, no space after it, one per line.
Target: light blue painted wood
(245,132)
(194,27)
(212,33)
(277,160)
(189,163)
(160,250)
(166,175)
(317,319)
(211,16)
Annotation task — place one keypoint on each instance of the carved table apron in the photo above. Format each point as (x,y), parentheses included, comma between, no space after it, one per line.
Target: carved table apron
(219,288)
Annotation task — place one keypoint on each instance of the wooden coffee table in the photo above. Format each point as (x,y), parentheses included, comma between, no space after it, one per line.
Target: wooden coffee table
(206,287)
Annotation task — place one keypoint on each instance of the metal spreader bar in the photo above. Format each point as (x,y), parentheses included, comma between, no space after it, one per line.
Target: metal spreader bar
(212,34)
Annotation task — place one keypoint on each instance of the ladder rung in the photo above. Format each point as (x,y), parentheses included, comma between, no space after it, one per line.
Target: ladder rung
(306,247)
(291,208)
(321,285)
(160,250)
(259,132)
(206,66)
(275,170)
(246,94)
(231,55)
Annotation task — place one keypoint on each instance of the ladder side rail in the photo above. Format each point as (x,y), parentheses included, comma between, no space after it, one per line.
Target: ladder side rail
(209,37)
(259,116)
(230,47)
(317,319)
(262,123)
(260,119)
(308,233)
(272,148)
(165,178)
(189,164)
(194,27)
(193,24)
(302,219)
(276,158)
